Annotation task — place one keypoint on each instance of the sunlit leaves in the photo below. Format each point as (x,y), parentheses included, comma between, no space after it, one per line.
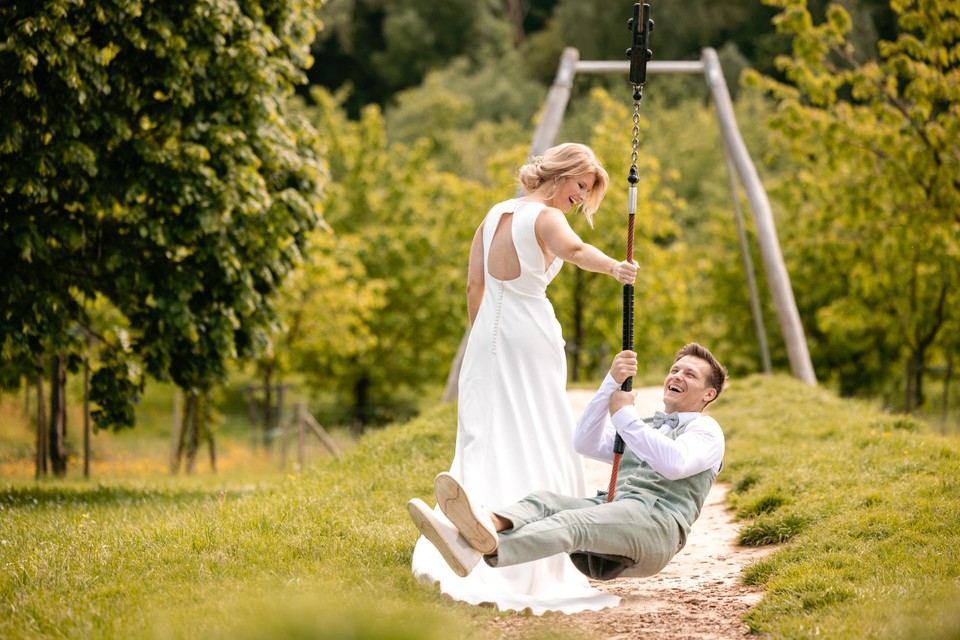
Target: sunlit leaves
(875,206)
(147,154)
(394,267)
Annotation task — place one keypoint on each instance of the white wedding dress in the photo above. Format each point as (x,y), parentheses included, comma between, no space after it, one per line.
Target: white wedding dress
(515,428)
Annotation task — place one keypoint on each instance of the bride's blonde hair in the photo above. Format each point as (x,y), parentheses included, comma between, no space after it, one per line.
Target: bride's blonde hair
(564,161)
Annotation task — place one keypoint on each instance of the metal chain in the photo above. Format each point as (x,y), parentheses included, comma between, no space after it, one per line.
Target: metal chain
(634,154)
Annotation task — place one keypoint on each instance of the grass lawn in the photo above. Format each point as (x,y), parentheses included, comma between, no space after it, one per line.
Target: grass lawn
(865,509)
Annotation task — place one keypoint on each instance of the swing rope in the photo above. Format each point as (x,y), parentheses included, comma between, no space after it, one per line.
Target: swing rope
(603,566)
(640,25)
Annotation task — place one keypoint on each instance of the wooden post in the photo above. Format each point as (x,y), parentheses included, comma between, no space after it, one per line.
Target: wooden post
(285,436)
(208,435)
(192,426)
(322,434)
(301,444)
(776,270)
(755,308)
(551,117)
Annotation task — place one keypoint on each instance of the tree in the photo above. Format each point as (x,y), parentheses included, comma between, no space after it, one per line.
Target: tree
(329,311)
(875,198)
(473,112)
(402,231)
(379,47)
(148,158)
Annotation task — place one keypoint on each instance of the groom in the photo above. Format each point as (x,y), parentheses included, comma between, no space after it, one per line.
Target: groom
(665,474)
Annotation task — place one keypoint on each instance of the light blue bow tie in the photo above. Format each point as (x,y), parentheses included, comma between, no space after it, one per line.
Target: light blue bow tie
(660,418)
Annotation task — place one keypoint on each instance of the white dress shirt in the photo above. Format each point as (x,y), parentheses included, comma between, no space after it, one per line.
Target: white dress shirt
(698,448)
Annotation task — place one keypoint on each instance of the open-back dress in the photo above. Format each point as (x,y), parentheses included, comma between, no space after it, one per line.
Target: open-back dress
(515,426)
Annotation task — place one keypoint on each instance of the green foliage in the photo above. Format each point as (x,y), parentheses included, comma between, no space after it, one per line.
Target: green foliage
(402,230)
(117,377)
(148,157)
(380,47)
(418,37)
(873,199)
(590,306)
(468,115)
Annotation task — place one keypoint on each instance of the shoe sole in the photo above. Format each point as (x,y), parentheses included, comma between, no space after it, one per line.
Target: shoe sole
(455,504)
(423,519)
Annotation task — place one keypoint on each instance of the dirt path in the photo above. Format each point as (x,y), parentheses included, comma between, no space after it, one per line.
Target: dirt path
(698,595)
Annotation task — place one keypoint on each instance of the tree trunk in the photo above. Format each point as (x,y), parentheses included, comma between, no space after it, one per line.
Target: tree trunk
(207,433)
(41,460)
(186,424)
(86,417)
(194,427)
(515,13)
(913,395)
(213,449)
(919,364)
(58,417)
(267,405)
(192,430)
(360,391)
(176,432)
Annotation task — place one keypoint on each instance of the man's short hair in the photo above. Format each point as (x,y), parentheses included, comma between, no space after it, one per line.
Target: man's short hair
(718,373)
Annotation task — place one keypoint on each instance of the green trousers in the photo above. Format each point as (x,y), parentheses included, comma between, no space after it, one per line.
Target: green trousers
(634,525)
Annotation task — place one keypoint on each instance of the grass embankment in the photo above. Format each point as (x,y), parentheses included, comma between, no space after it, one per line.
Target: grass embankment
(866,507)
(866,504)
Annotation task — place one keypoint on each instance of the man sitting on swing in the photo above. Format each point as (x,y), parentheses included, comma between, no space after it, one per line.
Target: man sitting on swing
(665,474)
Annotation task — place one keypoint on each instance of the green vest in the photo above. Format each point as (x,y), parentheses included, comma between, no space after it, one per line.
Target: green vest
(683,498)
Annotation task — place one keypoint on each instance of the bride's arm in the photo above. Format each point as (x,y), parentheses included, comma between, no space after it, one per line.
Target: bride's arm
(475,275)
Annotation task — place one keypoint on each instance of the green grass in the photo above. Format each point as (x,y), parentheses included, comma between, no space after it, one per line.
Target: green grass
(320,554)
(865,509)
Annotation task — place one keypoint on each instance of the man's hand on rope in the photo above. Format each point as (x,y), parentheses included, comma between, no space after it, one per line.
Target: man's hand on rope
(625,272)
(621,399)
(624,366)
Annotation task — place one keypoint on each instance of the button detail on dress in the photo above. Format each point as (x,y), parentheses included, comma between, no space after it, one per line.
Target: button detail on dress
(496,318)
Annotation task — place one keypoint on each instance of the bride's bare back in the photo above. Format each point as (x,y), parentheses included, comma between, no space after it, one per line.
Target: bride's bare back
(503,262)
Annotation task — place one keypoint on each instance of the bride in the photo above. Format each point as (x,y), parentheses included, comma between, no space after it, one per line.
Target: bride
(515,425)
